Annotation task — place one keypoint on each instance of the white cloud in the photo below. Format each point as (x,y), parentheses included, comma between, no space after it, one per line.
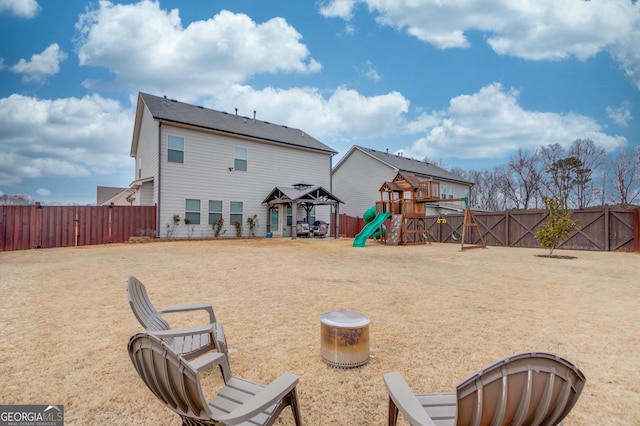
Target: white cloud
(620,115)
(491,124)
(62,137)
(21,8)
(342,113)
(43,192)
(369,72)
(529,29)
(41,65)
(147,48)
(338,9)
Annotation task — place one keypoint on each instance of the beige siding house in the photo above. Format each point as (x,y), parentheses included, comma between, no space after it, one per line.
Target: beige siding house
(109,195)
(361,172)
(199,164)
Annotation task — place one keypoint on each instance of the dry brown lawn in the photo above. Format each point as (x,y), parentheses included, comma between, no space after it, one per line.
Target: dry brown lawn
(437,316)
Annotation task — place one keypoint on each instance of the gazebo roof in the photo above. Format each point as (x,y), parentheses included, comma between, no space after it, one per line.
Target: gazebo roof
(315,195)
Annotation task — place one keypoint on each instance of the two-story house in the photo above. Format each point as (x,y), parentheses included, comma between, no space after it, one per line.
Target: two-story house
(199,165)
(361,172)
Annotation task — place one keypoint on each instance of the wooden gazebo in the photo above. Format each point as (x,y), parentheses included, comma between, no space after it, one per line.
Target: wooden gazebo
(306,196)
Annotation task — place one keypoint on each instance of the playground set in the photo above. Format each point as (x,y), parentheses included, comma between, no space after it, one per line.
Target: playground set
(404,200)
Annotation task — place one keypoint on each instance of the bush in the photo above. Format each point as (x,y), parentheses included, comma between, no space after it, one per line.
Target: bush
(558,225)
(217,226)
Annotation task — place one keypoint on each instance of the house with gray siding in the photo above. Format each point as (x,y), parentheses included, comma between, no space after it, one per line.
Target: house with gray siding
(199,165)
(361,172)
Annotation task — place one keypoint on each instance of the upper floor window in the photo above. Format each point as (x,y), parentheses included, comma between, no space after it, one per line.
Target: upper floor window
(175,153)
(240,161)
(192,212)
(451,192)
(443,193)
(215,211)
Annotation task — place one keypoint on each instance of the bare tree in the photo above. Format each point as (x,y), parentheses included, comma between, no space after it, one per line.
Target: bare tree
(625,179)
(524,180)
(487,193)
(549,155)
(15,200)
(588,178)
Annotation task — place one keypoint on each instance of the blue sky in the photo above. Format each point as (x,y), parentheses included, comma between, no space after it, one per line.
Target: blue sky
(466,82)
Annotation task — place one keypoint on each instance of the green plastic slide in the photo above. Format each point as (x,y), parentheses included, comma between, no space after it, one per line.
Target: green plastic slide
(369,229)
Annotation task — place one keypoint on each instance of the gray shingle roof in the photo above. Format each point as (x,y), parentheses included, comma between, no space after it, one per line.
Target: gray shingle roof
(410,165)
(171,110)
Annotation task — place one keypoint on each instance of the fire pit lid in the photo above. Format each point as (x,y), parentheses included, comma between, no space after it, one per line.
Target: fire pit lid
(345,319)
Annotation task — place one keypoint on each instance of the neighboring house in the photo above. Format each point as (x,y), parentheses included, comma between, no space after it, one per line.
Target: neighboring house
(359,175)
(203,165)
(107,195)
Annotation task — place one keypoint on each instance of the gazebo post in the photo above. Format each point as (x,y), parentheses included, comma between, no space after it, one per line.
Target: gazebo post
(294,220)
(269,207)
(337,220)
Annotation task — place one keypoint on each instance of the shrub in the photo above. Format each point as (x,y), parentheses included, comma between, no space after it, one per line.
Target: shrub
(217,226)
(558,225)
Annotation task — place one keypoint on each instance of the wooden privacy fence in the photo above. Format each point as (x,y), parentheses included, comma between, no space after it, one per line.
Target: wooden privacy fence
(601,229)
(350,226)
(28,227)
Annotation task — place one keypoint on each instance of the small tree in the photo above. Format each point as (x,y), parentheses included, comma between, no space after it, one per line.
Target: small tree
(238,226)
(252,222)
(558,225)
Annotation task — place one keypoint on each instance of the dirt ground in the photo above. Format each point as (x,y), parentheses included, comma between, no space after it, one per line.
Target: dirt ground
(438,314)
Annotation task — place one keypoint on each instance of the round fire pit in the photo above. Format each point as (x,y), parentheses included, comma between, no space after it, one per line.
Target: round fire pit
(344,339)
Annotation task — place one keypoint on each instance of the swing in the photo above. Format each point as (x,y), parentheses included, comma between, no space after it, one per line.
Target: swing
(453,235)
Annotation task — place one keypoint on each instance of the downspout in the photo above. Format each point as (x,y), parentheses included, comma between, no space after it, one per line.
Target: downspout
(335,218)
(159,177)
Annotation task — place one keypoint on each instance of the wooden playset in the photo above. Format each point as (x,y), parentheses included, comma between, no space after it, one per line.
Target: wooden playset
(406,198)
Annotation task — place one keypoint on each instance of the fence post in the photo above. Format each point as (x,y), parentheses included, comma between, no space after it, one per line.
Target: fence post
(607,227)
(636,230)
(507,230)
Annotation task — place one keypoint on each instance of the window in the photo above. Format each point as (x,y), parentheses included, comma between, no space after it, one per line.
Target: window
(175,153)
(215,211)
(443,195)
(312,215)
(289,216)
(235,208)
(240,162)
(192,212)
(451,192)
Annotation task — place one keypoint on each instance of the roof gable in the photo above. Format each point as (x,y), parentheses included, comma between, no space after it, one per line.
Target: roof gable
(407,165)
(312,195)
(181,113)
